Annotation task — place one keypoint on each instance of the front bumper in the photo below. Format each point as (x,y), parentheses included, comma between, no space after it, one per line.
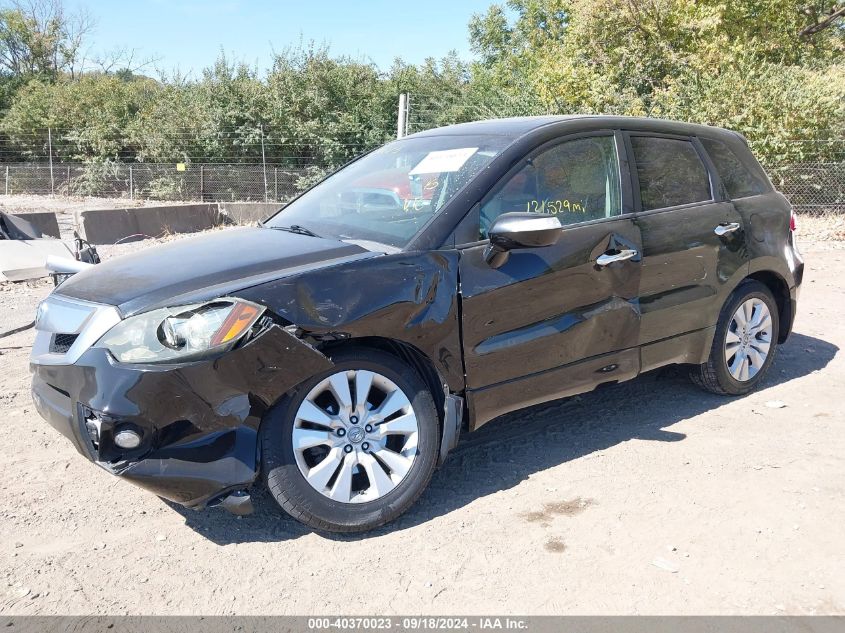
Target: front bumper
(198,422)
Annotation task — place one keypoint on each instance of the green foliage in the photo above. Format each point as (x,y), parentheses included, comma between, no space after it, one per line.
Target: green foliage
(788,113)
(38,39)
(89,115)
(325,110)
(740,64)
(309,109)
(98,178)
(166,187)
(310,176)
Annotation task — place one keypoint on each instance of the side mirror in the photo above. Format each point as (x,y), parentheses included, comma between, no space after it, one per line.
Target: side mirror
(520,230)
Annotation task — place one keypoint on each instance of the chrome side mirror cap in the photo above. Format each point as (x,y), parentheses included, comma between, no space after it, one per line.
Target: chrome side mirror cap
(512,231)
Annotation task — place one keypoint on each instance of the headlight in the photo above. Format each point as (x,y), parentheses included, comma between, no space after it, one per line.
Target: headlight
(180,333)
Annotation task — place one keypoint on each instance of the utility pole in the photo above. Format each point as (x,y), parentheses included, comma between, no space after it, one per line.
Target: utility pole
(402,118)
(50,149)
(264,162)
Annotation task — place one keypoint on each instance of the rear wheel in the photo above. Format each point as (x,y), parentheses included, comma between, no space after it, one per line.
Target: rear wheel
(744,343)
(355,446)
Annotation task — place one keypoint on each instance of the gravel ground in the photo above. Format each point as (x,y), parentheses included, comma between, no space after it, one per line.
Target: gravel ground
(649,497)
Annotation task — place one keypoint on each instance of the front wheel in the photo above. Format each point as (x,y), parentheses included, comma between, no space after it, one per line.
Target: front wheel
(744,343)
(355,446)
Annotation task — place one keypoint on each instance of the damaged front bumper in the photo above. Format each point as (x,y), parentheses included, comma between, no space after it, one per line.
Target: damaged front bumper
(197,422)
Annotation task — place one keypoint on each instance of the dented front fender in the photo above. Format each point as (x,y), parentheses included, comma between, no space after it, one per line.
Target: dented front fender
(407,297)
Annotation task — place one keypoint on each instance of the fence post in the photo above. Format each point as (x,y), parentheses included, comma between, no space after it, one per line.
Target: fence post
(67,189)
(275,184)
(7,180)
(264,162)
(402,117)
(50,149)
(131,185)
(202,184)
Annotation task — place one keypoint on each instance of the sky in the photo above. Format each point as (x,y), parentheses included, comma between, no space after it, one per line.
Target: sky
(188,34)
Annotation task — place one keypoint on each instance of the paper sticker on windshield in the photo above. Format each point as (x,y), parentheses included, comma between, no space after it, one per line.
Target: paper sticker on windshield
(443,160)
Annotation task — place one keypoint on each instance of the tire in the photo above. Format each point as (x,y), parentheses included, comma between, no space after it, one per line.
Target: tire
(716,376)
(285,467)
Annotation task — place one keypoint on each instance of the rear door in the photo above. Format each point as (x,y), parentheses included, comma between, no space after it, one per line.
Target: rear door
(692,237)
(549,308)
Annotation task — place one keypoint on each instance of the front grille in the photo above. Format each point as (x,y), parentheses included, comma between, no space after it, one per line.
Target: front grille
(61,343)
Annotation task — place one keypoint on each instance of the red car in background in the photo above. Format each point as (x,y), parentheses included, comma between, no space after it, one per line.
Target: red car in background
(386,190)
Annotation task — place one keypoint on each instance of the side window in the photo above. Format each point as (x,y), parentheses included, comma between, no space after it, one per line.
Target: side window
(576,181)
(670,172)
(738,181)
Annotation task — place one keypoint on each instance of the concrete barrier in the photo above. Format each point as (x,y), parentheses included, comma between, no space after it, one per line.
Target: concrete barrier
(107,226)
(46,222)
(246,212)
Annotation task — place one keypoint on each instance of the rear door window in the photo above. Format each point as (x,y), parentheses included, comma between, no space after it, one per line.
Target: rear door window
(670,172)
(739,182)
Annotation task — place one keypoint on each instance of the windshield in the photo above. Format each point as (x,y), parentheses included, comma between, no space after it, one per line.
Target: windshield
(389,194)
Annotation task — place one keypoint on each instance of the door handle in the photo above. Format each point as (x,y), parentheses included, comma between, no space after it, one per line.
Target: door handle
(724,229)
(620,256)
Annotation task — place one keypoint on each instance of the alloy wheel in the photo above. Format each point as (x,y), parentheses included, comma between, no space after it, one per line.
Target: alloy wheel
(355,436)
(748,339)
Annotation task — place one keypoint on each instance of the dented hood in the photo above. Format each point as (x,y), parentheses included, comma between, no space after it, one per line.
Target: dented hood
(205,267)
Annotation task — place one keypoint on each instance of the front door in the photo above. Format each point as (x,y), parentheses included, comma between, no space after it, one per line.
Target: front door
(550,308)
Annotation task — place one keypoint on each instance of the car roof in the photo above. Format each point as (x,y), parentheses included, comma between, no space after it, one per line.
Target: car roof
(516,127)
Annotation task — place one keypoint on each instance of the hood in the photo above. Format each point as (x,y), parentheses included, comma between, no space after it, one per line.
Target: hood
(205,267)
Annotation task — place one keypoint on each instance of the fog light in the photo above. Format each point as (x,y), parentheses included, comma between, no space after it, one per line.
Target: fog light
(92,426)
(127,439)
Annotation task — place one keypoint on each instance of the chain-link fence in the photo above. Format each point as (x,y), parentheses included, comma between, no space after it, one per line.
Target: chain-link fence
(145,181)
(810,187)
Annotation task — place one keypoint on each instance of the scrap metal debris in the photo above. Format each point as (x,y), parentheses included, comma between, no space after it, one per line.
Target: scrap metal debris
(25,251)
(22,328)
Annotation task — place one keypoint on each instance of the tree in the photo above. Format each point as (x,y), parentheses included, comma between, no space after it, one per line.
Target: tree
(89,117)
(740,64)
(822,20)
(37,38)
(325,110)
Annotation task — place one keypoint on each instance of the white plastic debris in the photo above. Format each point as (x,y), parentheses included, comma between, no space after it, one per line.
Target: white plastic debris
(665,565)
(776,404)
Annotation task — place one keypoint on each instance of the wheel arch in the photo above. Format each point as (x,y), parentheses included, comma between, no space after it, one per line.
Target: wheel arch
(450,406)
(412,357)
(780,291)
(409,355)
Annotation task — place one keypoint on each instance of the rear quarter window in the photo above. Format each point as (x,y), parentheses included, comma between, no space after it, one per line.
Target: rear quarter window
(670,172)
(737,179)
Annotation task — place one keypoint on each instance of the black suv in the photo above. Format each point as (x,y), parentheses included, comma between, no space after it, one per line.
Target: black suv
(431,285)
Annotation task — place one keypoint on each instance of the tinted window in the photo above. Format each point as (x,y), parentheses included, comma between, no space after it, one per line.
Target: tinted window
(670,172)
(575,181)
(738,181)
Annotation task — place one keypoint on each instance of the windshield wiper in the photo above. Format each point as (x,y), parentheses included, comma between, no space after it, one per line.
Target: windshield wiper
(296,228)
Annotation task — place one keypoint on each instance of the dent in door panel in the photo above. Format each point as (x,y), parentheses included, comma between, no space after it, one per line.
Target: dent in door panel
(560,382)
(686,268)
(553,326)
(549,307)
